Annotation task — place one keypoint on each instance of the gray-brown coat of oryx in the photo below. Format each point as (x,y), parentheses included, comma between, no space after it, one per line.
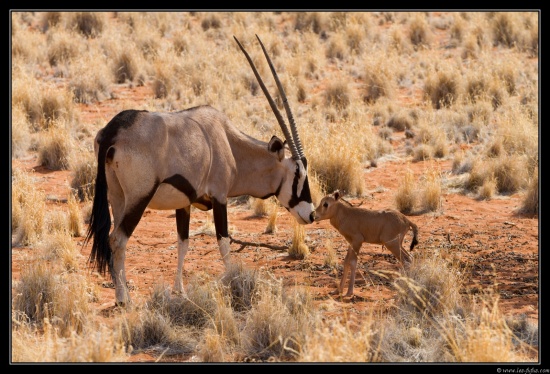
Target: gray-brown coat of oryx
(194,157)
(358,226)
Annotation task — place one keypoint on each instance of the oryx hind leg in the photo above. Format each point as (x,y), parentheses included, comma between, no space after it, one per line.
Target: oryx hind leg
(126,218)
(183,217)
(222,231)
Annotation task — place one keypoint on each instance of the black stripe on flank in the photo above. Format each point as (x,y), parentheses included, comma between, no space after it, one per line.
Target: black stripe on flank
(180,183)
(132,217)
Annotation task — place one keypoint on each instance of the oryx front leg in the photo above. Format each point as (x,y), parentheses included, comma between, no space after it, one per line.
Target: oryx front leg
(118,242)
(183,217)
(222,232)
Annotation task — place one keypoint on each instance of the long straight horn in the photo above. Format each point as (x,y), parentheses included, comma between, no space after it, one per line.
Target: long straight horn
(288,137)
(293,128)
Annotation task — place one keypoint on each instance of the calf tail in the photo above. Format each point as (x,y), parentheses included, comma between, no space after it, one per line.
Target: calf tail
(415,234)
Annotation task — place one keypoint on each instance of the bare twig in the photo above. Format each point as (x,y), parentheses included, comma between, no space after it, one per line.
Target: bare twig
(244,244)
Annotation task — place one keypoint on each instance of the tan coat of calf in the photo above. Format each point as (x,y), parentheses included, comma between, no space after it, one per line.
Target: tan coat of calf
(358,226)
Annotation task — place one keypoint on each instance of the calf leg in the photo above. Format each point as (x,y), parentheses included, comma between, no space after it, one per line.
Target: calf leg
(396,248)
(353,268)
(182,221)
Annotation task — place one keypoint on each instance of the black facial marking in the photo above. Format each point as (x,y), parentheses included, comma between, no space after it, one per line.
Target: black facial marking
(306,194)
(132,217)
(220,219)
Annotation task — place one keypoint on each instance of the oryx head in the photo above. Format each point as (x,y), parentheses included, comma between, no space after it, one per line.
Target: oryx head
(294,192)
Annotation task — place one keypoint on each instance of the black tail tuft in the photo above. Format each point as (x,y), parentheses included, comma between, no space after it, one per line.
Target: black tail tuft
(100,222)
(415,236)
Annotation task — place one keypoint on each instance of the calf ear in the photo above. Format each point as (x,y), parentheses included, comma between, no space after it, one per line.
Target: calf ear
(336,195)
(277,146)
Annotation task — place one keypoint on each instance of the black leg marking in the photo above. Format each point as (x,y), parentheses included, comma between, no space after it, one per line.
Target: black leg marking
(183,217)
(220,219)
(131,219)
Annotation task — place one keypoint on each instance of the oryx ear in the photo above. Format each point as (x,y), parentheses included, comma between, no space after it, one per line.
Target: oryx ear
(336,194)
(276,145)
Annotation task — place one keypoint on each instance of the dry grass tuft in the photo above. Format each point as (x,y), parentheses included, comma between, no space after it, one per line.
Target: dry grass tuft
(443,88)
(298,249)
(405,197)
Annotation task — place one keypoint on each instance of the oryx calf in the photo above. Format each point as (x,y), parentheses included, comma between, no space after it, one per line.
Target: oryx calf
(358,226)
(190,157)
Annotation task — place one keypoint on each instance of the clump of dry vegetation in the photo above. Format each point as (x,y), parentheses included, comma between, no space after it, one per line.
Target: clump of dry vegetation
(355,87)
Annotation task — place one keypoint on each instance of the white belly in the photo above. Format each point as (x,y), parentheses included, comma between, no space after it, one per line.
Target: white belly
(167,197)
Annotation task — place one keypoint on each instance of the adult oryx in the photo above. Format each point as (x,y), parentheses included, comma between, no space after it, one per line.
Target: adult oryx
(191,157)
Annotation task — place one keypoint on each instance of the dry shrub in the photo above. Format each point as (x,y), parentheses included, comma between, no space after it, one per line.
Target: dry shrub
(486,337)
(431,285)
(55,148)
(126,66)
(153,331)
(271,227)
(530,202)
(278,322)
(336,48)
(422,152)
(89,24)
(260,207)
(96,343)
(50,20)
(470,48)
(405,197)
(20,132)
(355,37)
(28,209)
(42,295)
(317,22)
(400,121)
(477,86)
(478,175)
(488,189)
(334,340)
(241,285)
(83,175)
(298,249)
(331,258)
(443,88)
(419,32)
(337,95)
(378,81)
(63,47)
(76,227)
(211,21)
(91,83)
(510,173)
(504,27)
(339,170)
(59,246)
(430,194)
